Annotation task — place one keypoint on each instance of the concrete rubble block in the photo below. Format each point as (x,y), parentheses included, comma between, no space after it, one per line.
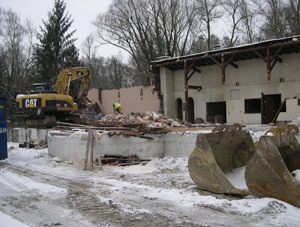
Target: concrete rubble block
(27,135)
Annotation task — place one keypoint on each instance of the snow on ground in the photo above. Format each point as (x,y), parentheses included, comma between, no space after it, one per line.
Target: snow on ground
(7,221)
(297,174)
(160,188)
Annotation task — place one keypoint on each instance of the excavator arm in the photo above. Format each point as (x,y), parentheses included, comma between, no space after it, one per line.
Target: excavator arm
(73,81)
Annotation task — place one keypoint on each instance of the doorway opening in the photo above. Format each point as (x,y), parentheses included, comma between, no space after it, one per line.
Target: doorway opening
(216,112)
(179,109)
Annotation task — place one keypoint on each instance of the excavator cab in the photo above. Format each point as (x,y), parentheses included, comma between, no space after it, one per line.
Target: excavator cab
(37,88)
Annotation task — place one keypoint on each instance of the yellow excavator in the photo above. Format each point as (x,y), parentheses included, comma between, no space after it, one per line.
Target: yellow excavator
(269,163)
(67,101)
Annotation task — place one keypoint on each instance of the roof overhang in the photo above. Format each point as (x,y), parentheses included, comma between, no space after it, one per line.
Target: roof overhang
(231,55)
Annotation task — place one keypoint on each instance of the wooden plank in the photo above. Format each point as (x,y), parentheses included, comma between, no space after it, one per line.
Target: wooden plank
(95,125)
(185,129)
(130,133)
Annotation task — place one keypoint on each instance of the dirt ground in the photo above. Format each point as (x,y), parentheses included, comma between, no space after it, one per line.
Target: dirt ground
(38,190)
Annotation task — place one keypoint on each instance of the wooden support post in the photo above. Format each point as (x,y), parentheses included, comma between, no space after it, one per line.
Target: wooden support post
(186,93)
(88,162)
(90,166)
(268,60)
(223,69)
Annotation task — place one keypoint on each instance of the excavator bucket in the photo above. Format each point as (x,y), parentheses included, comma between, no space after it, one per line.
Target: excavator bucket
(218,152)
(268,173)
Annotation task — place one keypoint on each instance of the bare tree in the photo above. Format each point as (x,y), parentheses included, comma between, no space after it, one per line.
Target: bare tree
(292,16)
(274,22)
(208,11)
(118,74)
(147,29)
(233,10)
(16,40)
(90,58)
(174,22)
(89,48)
(249,23)
(16,65)
(107,73)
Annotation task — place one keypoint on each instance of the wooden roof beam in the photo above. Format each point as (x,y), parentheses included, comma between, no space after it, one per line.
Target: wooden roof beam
(223,65)
(277,59)
(194,70)
(270,60)
(192,67)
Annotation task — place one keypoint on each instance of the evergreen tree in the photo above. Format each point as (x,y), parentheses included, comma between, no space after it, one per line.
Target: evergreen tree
(56,49)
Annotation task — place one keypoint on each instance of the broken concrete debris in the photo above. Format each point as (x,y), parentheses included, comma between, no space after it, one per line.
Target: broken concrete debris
(121,160)
(37,144)
(139,120)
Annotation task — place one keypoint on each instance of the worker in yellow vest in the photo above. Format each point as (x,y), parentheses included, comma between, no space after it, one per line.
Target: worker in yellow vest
(117,107)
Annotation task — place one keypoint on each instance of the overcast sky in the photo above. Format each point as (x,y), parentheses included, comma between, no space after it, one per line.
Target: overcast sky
(83,12)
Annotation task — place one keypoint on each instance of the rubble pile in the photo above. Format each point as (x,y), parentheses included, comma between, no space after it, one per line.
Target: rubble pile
(139,120)
(37,144)
(121,160)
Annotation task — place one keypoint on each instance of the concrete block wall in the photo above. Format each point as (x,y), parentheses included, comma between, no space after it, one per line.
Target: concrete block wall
(72,146)
(67,146)
(22,135)
(134,99)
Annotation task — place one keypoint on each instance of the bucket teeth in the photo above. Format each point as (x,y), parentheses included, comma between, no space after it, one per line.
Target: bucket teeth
(268,163)
(218,152)
(268,173)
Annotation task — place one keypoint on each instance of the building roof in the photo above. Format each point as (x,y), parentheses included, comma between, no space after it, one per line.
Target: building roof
(272,48)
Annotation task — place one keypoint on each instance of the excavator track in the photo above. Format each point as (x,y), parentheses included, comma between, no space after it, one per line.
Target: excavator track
(36,121)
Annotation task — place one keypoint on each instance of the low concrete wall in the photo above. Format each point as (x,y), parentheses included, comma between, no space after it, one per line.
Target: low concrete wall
(22,135)
(72,146)
(179,144)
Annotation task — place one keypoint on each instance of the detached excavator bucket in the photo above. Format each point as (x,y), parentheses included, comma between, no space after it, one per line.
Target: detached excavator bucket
(268,173)
(218,152)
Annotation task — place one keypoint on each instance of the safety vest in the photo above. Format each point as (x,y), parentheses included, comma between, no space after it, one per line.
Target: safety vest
(117,105)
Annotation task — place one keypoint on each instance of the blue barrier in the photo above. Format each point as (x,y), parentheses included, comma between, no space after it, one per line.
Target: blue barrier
(3,131)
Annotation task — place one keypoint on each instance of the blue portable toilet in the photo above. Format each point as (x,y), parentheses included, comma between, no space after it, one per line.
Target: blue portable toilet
(3,132)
